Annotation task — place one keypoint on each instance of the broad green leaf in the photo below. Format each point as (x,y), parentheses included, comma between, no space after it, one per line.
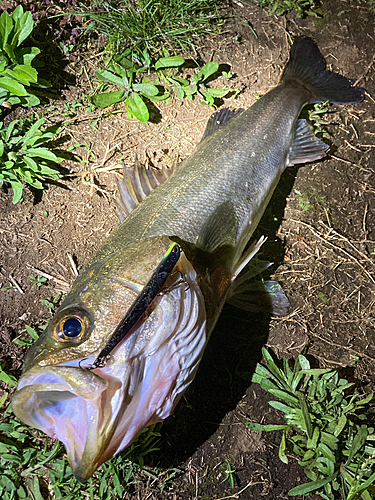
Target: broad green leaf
(285,396)
(7,483)
(106,76)
(1,148)
(208,69)
(24,25)
(124,62)
(107,98)
(214,92)
(13,86)
(148,89)
(358,441)
(30,163)
(169,62)
(271,365)
(50,172)
(280,406)
(303,362)
(340,425)
(282,449)
(326,452)
(27,54)
(312,442)
(32,131)
(7,378)
(159,97)
(307,457)
(178,80)
(136,106)
(364,401)
(306,414)
(30,101)
(254,426)
(316,371)
(34,487)
(326,466)
(303,489)
(42,153)
(329,439)
(6,25)
(25,74)
(17,192)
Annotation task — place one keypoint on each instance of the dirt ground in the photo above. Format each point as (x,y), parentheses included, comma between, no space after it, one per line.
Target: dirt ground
(321,237)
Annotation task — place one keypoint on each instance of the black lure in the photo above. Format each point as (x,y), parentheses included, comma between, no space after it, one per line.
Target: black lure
(141,304)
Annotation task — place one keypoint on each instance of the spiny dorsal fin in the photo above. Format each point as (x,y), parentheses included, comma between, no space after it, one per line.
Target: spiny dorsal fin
(217,120)
(306,146)
(137,183)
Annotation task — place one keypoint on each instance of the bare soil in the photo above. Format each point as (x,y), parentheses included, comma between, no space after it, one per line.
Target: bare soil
(321,237)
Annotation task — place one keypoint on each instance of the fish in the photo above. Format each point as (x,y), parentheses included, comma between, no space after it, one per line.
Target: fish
(128,338)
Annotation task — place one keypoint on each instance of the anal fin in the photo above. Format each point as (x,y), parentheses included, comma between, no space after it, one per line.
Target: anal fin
(306,146)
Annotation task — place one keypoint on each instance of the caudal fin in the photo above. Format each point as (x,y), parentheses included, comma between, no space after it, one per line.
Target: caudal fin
(308,66)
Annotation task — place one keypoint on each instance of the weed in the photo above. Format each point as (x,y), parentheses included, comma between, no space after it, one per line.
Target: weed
(229,474)
(303,201)
(124,70)
(26,342)
(37,281)
(186,89)
(315,201)
(323,298)
(25,155)
(324,427)
(302,7)
(152,25)
(52,304)
(17,75)
(316,118)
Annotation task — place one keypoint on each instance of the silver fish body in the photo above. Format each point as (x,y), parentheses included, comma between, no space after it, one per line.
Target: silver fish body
(210,206)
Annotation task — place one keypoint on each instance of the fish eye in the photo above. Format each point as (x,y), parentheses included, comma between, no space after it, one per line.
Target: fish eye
(71,326)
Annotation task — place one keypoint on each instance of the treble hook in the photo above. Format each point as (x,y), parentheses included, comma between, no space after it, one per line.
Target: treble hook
(175,285)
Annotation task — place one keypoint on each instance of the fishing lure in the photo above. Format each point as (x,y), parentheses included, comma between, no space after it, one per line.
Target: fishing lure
(141,304)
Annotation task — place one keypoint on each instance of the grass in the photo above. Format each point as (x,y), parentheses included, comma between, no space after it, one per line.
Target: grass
(155,25)
(325,428)
(303,8)
(32,466)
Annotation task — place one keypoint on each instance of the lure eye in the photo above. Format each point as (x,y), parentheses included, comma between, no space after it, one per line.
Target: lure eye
(72,325)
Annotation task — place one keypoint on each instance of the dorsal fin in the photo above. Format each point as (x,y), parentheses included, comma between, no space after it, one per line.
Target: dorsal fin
(217,120)
(137,183)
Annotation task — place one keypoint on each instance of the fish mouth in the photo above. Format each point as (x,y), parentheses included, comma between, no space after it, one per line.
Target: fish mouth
(97,413)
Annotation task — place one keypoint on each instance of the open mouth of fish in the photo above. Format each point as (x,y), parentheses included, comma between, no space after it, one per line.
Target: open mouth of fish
(97,412)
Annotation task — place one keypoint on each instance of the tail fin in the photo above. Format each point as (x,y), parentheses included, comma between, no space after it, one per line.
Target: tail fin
(308,66)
